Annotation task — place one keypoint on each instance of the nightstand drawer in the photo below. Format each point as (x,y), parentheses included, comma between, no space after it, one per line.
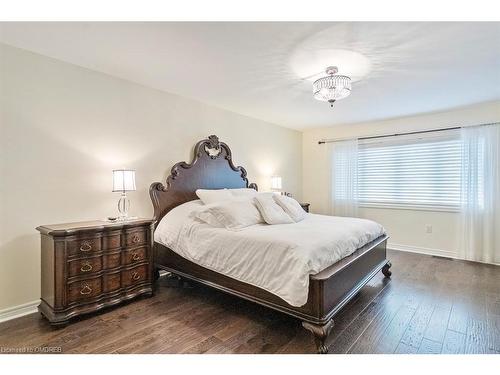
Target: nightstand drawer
(135,275)
(135,238)
(112,282)
(135,255)
(112,260)
(84,266)
(111,241)
(85,289)
(84,246)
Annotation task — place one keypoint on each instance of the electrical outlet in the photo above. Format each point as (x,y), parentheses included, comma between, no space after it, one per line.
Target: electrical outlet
(428,228)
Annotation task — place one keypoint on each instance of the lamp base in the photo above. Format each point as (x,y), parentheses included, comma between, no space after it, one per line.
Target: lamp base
(123,206)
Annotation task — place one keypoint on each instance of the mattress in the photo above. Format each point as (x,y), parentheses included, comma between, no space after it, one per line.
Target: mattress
(276,258)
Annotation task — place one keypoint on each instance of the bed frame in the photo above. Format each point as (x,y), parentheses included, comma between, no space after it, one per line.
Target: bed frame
(212,168)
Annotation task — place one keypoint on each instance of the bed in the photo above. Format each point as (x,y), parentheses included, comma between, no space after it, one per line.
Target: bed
(327,290)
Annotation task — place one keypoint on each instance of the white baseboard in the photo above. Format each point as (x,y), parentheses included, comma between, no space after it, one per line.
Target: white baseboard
(18,311)
(423,250)
(430,251)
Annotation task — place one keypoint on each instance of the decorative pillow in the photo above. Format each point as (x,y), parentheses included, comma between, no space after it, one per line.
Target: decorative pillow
(291,207)
(232,215)
(270,210)
(212,196)
(243,192)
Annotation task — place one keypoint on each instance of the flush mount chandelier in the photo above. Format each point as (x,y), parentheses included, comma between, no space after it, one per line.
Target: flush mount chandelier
(332,87)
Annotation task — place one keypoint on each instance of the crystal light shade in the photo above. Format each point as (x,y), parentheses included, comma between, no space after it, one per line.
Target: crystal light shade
(332,87)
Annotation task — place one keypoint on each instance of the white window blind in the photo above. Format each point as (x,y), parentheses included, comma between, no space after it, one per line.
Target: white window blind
(409,172)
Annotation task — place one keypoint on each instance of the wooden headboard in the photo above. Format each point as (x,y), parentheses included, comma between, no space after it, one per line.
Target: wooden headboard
(212,168)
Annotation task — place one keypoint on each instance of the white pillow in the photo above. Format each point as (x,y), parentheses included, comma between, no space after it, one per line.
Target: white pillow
(233,215)
(243,192)
(270,210)
(212,196)
(168,229)
(291,207)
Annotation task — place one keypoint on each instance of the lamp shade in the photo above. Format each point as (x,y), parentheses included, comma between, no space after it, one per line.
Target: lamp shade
(275,182)
(123,180)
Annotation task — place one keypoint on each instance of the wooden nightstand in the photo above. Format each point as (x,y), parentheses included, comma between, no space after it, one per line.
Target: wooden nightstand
(305,206)
(87,266)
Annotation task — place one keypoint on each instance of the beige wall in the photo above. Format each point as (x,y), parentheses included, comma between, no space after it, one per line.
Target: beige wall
(406,227)
(64,128)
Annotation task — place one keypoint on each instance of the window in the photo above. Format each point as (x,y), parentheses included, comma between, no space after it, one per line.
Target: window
(409,172)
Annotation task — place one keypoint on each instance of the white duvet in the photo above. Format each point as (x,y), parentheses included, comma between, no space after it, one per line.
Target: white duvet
(277,258)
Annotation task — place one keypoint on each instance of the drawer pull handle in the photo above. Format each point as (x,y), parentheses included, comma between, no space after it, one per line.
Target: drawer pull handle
(135,239)
(136,276)
(136,257)
(86,267)
(86,290)
(86,246)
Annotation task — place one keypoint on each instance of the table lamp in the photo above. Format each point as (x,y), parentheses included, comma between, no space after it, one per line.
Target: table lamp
(123,181)
(276,183)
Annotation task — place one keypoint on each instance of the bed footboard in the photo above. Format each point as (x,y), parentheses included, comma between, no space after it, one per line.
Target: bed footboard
(329,290)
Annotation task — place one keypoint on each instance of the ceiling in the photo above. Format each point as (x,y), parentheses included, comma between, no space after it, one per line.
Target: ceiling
(264,70)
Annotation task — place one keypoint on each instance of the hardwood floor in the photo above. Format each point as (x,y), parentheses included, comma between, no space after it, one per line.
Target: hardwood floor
(431,305)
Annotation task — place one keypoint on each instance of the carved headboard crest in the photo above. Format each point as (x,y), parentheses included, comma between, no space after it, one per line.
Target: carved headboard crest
(211,168)
(213,149)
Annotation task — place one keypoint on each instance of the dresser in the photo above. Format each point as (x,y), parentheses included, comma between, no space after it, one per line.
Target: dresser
(87,266)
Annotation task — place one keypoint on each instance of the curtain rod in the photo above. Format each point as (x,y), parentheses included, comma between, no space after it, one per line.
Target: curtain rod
(390,135)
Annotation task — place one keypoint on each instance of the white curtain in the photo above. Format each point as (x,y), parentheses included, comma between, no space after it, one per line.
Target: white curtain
(344,178)
(480,198)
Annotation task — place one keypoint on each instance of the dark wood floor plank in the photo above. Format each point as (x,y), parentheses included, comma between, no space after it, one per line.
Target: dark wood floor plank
(493,328)
(348,337)
(203,346)
(193,331)
(454,343)
(458,318)
(493,302)
(302,342)
(235,342)
(392,335)
(405,349)
(430,347)
(197,319)
(414,333)
(476,338)
(493,320)
(373,334)
(438,324)
(158,329)
(119,325)
(356,307)
(268,340)
(372,292)
(229,329)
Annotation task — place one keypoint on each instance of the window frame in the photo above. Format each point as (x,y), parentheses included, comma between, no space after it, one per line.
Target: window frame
(452,135)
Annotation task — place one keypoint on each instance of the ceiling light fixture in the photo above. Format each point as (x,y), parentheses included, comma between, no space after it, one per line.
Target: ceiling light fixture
(332,87)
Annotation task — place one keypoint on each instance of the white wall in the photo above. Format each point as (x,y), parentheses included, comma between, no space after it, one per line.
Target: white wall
(64,128)
(406,227)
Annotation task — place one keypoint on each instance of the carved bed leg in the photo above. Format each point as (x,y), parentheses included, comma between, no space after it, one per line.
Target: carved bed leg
(320,333)
(386,271)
